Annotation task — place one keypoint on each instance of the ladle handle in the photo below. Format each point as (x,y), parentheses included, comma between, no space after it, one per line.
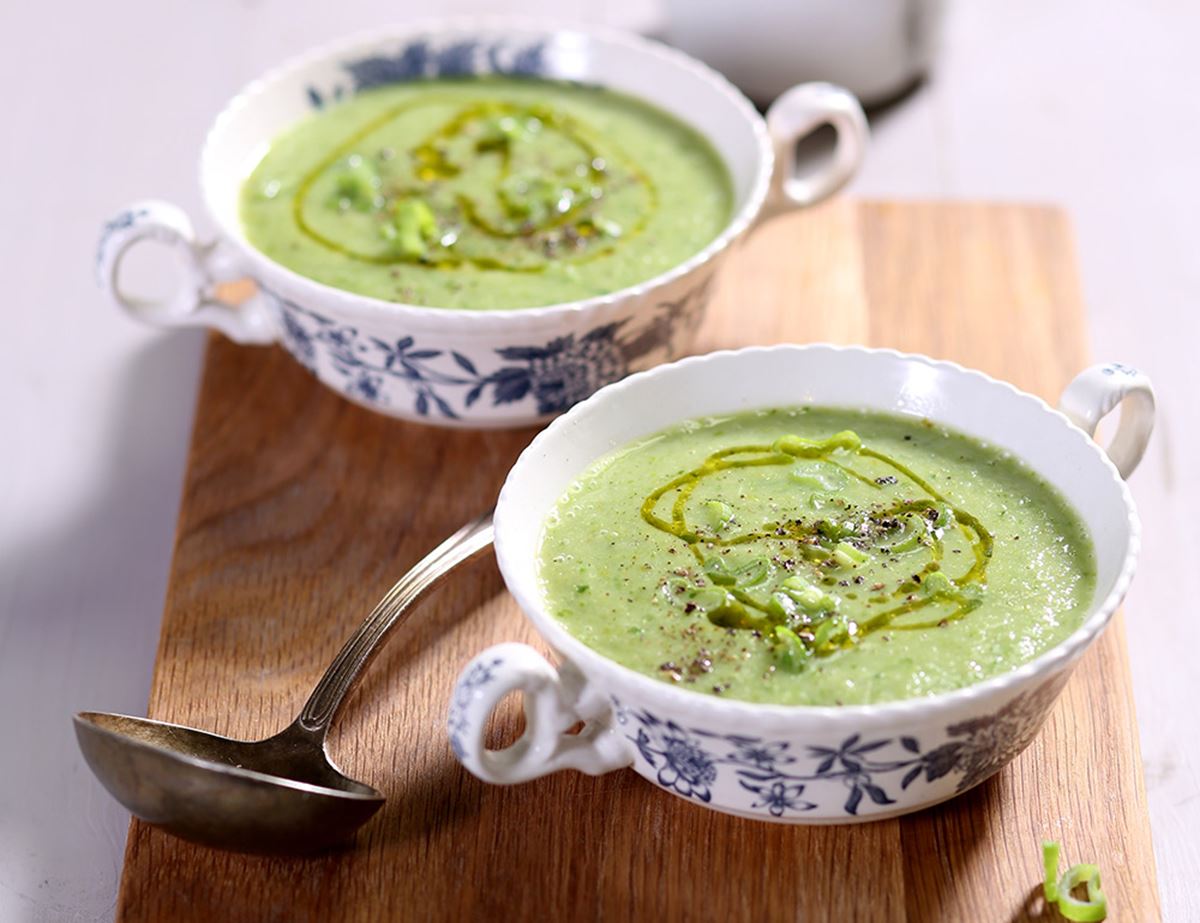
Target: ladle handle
(468,542)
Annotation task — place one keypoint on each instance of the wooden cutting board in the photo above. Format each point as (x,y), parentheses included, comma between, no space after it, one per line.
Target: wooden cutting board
(300,510)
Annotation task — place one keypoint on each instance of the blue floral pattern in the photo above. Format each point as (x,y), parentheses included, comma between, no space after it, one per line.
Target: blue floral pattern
(122,221)
(682,762)
(779,797)
(778,775)
(445,382)
(422,60)
(782,777)
(479,675)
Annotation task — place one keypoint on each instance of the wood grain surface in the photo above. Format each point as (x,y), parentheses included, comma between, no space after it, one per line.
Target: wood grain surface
(300,510)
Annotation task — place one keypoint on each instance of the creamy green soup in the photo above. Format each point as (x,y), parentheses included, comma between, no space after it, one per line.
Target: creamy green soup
(816,556)
(486,193)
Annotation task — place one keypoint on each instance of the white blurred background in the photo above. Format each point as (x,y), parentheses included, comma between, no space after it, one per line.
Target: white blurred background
(1093,106)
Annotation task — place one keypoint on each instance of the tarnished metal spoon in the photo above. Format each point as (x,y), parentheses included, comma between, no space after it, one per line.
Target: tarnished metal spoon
(279,795)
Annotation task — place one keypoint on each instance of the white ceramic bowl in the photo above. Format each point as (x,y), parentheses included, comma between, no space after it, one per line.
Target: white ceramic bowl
(796,764)
(465,368)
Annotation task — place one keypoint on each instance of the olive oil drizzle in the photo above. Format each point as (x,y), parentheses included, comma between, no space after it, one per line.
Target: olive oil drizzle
(432,165)
(743,609)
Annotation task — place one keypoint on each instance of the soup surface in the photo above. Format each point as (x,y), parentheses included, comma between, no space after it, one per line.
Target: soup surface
(486,193)
(816,556)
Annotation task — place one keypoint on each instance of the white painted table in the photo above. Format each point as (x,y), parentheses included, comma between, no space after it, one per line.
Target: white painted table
(1092,106)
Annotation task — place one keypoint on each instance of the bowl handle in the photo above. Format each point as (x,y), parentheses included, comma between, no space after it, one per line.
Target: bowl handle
(797,113)
(212,293)
(552,706)
(1096,391)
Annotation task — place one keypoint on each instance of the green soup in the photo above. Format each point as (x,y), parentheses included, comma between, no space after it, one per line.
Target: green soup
(486,193)
(816,556)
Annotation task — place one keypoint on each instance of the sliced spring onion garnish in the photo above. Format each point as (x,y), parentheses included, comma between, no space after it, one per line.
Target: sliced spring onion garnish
(1058,891)
(1050,863)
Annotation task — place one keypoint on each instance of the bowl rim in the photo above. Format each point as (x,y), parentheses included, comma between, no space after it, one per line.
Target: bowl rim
(731,711)
(470,321)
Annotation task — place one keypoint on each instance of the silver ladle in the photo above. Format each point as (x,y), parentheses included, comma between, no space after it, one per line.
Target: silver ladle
(279,795)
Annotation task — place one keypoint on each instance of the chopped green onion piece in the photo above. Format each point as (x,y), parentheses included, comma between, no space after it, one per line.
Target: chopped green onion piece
(910,534)
(945,516)
(718,513)
(1050,864)
(499,133)
(789,650)
(732,614)
(830,633)
(1058,892)
(835,531)
(814,599)
(810,597)
(847,555)
(718,573)
(834,639)
(1093,909)
(357,185)
(937,584)
(781,606)
(414,225)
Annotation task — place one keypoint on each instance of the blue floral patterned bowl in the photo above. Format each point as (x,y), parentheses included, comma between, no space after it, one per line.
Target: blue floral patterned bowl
(798,764)
(464,368)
